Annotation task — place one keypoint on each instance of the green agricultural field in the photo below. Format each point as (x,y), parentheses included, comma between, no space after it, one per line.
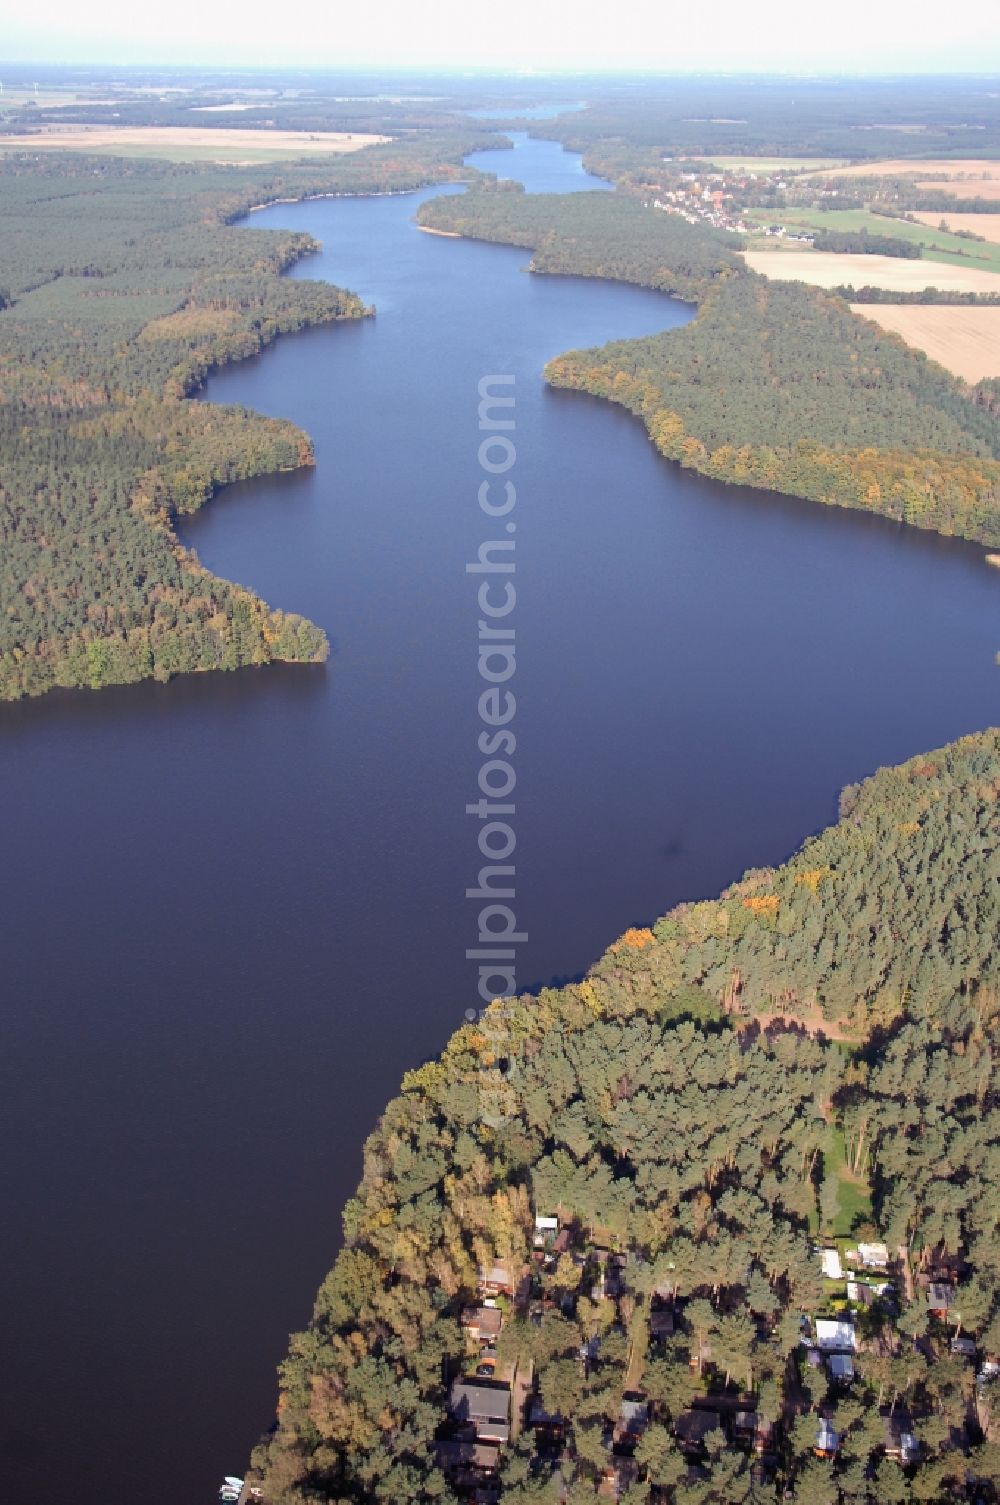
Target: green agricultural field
(938,245)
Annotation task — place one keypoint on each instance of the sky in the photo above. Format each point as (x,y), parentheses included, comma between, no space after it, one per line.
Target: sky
(880,36)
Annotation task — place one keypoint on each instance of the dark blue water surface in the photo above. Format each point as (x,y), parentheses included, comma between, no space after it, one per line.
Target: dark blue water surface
(542,166)
(233,906)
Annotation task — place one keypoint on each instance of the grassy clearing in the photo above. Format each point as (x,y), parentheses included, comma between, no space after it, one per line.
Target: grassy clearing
(854,1191)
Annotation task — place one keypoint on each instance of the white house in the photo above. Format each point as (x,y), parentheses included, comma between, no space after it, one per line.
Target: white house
(830,1260)
(833,1335)
(873,1256)
(546,1229)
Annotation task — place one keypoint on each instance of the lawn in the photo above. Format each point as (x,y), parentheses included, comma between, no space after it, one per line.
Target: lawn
(855,1193)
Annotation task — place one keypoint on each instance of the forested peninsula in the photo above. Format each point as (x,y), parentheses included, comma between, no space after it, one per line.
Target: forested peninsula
(720,1222)
(123,284)
(774,385)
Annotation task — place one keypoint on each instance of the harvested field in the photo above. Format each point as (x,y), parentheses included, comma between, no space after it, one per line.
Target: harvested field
(189,143)
(772,164)
(986,225)
(966,341)
(828,269)
(966,188)
(922,167)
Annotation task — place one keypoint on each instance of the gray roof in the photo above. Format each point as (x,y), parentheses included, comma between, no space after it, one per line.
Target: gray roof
(471,1402)
(635,1410)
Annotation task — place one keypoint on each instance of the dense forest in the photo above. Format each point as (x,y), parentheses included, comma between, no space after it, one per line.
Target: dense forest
(798,1067)
(592,235)
(775,385)
(123,285)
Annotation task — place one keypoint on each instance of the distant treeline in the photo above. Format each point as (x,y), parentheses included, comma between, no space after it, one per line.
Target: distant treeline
(919,295)
(855,119)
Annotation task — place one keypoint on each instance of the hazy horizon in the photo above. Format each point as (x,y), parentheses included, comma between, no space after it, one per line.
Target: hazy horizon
(530,36)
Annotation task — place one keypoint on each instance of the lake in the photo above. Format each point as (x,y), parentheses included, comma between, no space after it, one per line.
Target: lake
(233,906)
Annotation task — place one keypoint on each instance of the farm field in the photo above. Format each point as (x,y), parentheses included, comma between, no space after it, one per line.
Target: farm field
(966,341)
(771,164)
(190,143)
(938,245)
(895,167)
(967,188)
(987,225)
(828,269)
(16,97)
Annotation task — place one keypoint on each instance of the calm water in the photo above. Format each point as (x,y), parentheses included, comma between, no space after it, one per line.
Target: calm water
(543,167)
(233,906)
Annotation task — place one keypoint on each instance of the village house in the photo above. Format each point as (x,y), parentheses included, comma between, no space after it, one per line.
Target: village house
(692,1428)
(546,1229)
(866,1293)
(482,1323)
(614,1275)
(661,1324)
(900,1442)
(633,1417)
(827,1440)
(485,1406)
(873,1256)
(840,1367)
(456,1455)
(830,1262)
(835,1335)
(750,1426)
(940,1298)
(496,1280)
(618,1477)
